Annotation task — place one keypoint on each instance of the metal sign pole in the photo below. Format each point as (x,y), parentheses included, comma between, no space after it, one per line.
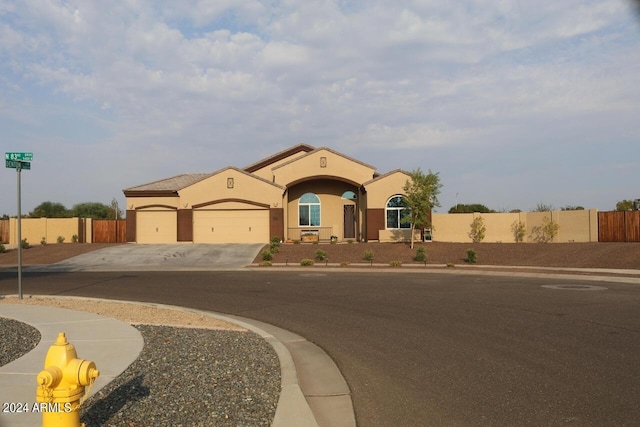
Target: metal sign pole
(19,236)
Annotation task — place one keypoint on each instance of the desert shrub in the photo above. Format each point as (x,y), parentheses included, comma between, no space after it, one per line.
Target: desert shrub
(421,254)
(368,255)
(267,255)
(43,241)
(25,244)
(546,232)
(450,265)
(321,255)
(265,264)
(60,239)
(395,263)
(306,262)
(519,230)
(74,238)
(2,249)
(296,242)
(344,264)
(349,241)
(478,230)
(471,256)
(274,245)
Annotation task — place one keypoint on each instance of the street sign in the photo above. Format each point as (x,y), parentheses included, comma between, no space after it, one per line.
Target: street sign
(17,164)
(22,157)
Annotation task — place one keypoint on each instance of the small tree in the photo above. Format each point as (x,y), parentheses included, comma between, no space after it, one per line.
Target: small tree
(421,196)
(478,230)
(546,232)
(519,231)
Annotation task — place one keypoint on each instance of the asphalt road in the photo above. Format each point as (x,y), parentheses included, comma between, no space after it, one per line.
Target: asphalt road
(426,349)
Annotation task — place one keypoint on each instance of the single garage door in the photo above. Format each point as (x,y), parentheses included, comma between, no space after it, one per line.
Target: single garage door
(156,227)
(231,226)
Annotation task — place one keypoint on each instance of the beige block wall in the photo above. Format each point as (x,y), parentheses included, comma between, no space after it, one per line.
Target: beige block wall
(245,187)
(309,166)
(573,226)
(34,229)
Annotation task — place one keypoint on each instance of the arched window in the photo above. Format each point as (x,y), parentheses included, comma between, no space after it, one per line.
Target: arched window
(309,210)
(395,212)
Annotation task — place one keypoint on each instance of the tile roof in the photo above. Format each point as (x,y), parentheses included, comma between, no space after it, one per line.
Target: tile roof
(175,183)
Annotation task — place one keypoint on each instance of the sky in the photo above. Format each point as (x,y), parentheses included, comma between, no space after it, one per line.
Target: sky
(513,103)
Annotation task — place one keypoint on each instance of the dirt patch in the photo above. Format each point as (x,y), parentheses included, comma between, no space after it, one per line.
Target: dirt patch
(565,255)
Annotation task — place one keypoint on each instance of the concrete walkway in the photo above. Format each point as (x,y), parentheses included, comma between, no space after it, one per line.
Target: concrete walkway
(313,391)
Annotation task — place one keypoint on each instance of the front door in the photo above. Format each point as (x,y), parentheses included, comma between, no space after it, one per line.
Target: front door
(349,221)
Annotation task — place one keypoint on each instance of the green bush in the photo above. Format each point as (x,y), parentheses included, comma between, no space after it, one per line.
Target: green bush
(471,256)
(368,255)
(25,244)
(478,230)
(60,239)
(2,249)
(296,242)
(321,255)
(266,255)
(274,245)
(74,238)
(306,262)
(43,241)
(450,265)
(421,254)
(265,264)
(395,263)
(519,230)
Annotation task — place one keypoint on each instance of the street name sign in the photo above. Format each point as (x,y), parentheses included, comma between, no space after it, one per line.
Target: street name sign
(17,164)
(21,157)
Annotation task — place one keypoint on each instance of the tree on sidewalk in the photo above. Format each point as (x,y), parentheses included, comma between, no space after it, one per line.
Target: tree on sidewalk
(421,196)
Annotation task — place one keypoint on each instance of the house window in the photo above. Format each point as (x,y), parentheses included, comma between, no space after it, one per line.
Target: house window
(395,212)
(309,210)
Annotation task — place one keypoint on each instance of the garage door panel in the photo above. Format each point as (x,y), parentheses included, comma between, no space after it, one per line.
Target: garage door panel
(156,227)
(225,226)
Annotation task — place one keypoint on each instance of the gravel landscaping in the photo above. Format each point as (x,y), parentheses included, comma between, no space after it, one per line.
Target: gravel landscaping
(566,255)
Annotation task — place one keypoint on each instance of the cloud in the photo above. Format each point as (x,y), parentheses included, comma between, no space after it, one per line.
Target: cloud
(215,81)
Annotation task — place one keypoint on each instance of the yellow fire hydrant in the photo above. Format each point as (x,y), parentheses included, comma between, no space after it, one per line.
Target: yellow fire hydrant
(61,384)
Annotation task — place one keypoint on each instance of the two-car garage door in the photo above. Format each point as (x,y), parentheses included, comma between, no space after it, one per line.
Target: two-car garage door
(231,226)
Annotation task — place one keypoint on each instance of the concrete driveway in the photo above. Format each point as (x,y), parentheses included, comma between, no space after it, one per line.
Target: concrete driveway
(160,257)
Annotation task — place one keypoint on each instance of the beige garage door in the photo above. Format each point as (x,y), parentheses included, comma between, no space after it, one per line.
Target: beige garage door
(156,227)
(231,226)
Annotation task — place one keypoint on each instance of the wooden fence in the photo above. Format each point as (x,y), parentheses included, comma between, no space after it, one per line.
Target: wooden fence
(619,226)
(109,231)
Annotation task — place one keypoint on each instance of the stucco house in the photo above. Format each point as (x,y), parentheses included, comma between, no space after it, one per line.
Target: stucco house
(301,193)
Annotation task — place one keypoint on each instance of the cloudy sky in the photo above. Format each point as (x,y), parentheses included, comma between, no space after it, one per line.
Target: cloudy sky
(513,103)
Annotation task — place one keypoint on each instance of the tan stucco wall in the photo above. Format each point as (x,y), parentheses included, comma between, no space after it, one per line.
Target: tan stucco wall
(309,166)
(380,191)
(34,229)
(245,187)
(267,173)
(137,202)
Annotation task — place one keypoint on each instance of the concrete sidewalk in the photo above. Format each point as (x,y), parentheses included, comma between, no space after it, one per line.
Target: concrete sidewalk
(313,391)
